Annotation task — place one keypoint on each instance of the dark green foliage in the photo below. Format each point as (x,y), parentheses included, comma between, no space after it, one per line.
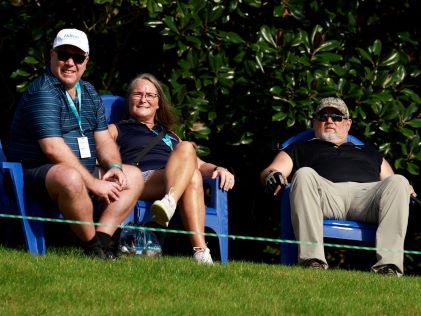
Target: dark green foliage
(233,67)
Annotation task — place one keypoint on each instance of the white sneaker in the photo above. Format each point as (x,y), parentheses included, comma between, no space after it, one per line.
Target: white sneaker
(164,209)
(202,255)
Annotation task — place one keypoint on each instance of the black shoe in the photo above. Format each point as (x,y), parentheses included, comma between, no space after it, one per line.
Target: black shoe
(314,264)
(95,252)
(387,270)
(111,254)
(112,251)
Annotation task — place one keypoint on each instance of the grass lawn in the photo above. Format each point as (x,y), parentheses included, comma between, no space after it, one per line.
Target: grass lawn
(65,283)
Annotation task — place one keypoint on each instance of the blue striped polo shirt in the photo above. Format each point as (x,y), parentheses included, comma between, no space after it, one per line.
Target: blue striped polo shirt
(43,111)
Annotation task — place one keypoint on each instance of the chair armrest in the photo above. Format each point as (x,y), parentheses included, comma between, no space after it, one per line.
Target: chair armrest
(214,189)
(219,197)
(16,175)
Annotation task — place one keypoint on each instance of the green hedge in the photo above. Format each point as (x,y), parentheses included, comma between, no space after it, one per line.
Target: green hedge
(247,69)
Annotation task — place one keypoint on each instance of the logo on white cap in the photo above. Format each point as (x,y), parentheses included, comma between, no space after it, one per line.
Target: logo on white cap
(72,37)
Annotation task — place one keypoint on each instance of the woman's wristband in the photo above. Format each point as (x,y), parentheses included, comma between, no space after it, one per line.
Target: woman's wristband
(115,165)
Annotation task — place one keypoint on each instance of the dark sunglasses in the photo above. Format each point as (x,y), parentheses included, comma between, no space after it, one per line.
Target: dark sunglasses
(325,116)
(65,56)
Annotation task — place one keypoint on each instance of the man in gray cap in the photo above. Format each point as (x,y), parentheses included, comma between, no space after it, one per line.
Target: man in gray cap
(336,179)
(59,133)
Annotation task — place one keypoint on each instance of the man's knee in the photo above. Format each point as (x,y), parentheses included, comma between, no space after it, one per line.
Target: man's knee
(395,197)
(397,182)
(65,179)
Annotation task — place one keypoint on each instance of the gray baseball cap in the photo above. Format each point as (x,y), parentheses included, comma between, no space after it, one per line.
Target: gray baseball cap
(335,103)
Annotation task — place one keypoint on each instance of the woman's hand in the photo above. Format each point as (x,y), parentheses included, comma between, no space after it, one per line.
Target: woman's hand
(226,178)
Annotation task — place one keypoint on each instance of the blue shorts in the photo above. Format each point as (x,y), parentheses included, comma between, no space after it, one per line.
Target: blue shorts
(35,188)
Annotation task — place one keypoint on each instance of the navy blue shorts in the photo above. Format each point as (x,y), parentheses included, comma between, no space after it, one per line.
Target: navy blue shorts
(35,189)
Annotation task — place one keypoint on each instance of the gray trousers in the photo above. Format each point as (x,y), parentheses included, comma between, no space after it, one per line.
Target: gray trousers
(385,203)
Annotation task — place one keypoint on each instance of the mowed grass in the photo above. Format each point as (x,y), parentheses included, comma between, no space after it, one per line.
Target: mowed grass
(66,283)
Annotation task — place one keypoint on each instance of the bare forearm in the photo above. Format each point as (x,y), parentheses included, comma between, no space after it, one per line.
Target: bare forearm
(385,170)
(108,154)
(206,168)
(282,163)
(58,152)
(107,149)
(213,171)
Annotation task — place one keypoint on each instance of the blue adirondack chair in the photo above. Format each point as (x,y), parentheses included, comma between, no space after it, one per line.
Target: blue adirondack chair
(16,203)
(338,229)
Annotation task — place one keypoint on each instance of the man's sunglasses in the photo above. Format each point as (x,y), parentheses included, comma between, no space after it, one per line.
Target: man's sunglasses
(325,116)
(62,55)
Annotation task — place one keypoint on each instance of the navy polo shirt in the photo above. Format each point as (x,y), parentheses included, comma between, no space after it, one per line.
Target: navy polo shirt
(133,137)
(347,162)
(43,112)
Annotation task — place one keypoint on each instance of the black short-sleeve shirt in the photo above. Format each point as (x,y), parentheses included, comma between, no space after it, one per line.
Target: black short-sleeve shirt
(347,162)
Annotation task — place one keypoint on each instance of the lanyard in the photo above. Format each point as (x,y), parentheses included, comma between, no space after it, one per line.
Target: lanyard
(72,106)
(166,139)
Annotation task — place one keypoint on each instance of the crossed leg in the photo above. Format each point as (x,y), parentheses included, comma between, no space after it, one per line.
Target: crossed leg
(182,179)
(193,210)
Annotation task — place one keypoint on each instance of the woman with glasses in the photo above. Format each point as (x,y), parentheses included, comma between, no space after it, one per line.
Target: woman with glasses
(172,171)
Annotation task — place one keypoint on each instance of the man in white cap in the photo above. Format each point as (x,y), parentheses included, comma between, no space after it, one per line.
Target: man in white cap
(59,133)
(336,179)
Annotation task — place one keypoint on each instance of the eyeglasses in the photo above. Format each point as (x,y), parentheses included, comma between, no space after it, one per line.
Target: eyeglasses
(148,96)
(325,116)
(62,55)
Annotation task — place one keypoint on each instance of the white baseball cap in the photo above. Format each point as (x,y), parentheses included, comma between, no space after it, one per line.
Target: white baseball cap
(72,37)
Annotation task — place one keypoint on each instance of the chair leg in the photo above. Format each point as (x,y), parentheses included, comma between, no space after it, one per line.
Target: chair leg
(34,236)
(33,230)
(223,249)
(212,221)
(288,252)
